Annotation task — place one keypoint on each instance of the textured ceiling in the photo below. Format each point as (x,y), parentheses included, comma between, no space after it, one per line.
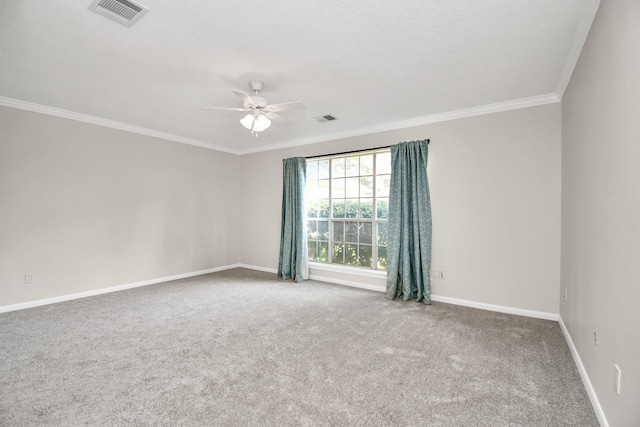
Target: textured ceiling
(373,64)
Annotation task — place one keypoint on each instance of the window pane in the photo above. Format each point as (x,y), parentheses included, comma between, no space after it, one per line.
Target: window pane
(383,183)
(323,189)
(338,209)
(323,230)
(364,256)
(382,257)
(353,187)
(338,254)
(312,230)
(337,168)
(351,232)
(338,231)
(312,209)
(352,207)
(323,208)
(313,255)
(352,166)
(383,163)
(366,208)
(337,188)
(312,170)
(366,186)
(382,210)
(323,169)
(382,233)
(311,190)
(366,164)
(351,254)
(365,232)
(323,251)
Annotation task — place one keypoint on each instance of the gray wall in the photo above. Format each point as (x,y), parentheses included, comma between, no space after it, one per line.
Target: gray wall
(495,184)
(601,207)
(85,207)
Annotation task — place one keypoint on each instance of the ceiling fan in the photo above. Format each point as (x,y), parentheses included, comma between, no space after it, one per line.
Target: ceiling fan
(260,112)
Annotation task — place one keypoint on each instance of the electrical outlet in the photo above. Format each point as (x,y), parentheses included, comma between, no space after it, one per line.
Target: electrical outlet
(595,339)
(440,274)
(618,378)
(565,294)
(28,278)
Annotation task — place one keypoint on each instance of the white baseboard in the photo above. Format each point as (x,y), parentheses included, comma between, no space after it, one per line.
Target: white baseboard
(497,308)
(448,300)
(255,267)
(346,283)
(69,297)
(585,377)
(320,278)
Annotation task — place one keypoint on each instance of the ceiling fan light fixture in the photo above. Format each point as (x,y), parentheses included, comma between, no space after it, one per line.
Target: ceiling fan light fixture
(255,122)
(261,123)
(247,121)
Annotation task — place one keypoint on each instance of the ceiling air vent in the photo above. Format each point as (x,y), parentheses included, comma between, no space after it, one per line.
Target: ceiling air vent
(123,11)
(323,119)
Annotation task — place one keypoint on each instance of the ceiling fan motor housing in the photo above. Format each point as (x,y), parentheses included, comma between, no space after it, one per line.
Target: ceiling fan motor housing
(260,102)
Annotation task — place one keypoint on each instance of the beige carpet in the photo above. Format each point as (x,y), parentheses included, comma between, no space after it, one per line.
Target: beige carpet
(241,348)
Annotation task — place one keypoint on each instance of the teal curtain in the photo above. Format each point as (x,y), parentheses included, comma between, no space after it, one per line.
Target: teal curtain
(293,263)
(409,244)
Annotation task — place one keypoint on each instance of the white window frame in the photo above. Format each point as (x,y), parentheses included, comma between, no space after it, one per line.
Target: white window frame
(329,265)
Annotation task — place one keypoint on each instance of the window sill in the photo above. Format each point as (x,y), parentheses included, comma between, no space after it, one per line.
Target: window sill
(356,271)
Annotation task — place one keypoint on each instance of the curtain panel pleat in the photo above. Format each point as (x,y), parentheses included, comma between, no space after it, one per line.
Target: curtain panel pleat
(409,245)
(293,263)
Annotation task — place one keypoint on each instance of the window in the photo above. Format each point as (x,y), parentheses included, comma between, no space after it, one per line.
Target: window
(348,209)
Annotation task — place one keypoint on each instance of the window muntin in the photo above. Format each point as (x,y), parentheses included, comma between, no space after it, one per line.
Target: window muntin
(348,208)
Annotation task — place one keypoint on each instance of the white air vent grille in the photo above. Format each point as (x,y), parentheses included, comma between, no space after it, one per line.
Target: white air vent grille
(123,11)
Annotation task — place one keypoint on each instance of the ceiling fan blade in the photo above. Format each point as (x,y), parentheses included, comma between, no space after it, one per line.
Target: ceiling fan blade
(278,118)
(246,99)
(285,106)
(222,108)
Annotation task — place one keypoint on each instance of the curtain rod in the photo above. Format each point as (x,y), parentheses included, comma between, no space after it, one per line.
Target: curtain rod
(350,152)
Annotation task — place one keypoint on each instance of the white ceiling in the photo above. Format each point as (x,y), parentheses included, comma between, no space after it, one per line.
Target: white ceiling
(373,64)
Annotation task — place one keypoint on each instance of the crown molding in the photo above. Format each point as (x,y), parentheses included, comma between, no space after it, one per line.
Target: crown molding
(86,118)
(516,104)
(575,50)
(419,121)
